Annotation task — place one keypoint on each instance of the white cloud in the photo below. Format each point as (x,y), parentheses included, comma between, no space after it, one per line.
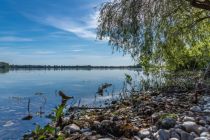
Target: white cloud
(14,39)
(83,31)
(85,27)
(77,50)
(44,52)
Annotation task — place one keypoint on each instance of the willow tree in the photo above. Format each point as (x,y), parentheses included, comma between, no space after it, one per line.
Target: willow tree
(143,28)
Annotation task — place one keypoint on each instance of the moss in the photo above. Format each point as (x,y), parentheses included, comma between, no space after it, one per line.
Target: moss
(168,115)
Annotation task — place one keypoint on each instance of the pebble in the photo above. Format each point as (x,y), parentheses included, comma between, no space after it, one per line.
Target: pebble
(205,134)
(195,109)
(136,138)
(87,133)
(105,139)
(201,138)
(202,122)
(186,118)
(146,139)
(144,133)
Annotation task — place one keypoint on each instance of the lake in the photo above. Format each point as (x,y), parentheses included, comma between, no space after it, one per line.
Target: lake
(41,87)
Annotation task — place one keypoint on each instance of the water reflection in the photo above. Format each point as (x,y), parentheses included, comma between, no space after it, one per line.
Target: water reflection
(42,88)
(2,70)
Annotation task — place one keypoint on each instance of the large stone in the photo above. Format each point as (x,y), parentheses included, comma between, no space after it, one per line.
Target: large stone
(190,126)
(72,128)
(201,129)
(184,135)
(167,123)
(162,135)
(174,134)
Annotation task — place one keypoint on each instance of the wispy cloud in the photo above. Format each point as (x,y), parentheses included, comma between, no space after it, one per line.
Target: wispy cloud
(14,39)
(84,31)
(77,50)
(85,27)
(44,52)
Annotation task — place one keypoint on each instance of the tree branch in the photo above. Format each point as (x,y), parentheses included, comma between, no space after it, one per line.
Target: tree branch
(201,4)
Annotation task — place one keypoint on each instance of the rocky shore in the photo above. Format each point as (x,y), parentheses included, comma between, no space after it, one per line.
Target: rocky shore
(142,116)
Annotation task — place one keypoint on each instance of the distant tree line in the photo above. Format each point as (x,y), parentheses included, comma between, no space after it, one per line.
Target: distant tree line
(15,67)
(4,65)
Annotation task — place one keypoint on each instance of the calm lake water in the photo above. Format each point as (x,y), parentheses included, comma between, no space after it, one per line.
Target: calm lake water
(16,87)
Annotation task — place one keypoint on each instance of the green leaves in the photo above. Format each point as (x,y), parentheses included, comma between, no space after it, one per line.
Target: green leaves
(59,112)
(128,79)
(157,33)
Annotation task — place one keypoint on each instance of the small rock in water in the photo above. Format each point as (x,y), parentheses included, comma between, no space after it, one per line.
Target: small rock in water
(195,109)
(8,123)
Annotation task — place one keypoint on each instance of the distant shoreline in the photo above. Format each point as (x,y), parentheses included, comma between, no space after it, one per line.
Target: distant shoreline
(62,67)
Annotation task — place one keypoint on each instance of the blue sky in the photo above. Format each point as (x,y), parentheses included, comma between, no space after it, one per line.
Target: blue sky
(53,32)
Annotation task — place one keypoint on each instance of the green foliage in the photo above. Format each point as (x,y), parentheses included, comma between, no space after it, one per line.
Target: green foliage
(168,115)
(58,112)
(42,137)
(38,130)
(159,34)
(47,129)
(60,138)
(128,79)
